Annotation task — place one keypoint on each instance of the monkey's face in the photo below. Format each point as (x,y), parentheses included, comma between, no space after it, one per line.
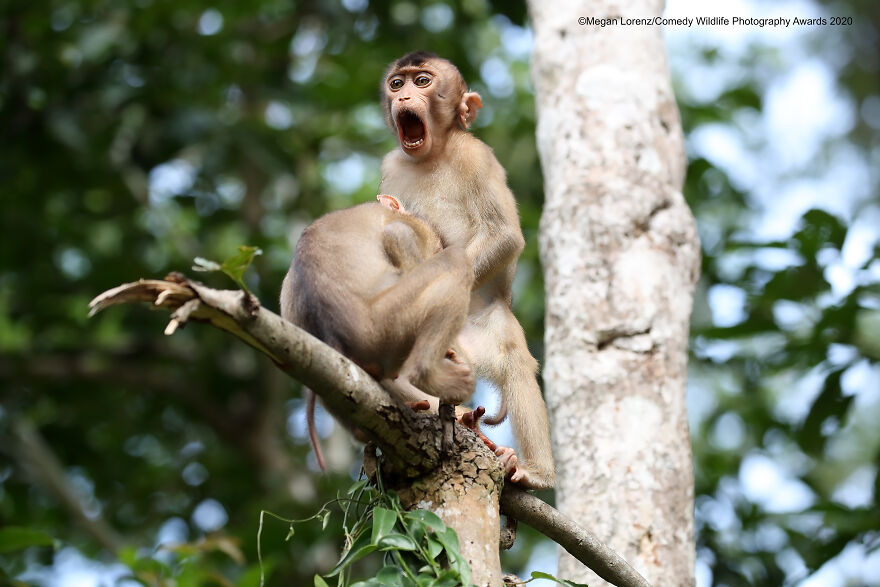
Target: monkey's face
(414,104)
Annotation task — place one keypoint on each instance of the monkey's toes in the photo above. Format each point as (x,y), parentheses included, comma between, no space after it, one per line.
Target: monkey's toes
(472,419)
(419,406)
(508,458)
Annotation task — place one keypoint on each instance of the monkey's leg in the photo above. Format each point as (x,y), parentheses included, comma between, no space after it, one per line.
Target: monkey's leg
(402,246)
(430,304)
(499,352)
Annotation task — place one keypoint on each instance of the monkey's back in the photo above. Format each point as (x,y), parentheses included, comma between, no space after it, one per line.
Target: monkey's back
(333,272)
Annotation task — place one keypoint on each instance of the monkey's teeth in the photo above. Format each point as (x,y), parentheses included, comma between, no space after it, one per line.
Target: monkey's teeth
(413,144)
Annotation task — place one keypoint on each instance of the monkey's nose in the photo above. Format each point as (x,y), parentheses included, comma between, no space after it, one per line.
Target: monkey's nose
(402,98)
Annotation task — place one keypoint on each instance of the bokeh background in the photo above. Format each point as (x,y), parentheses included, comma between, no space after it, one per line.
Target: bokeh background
(135,136)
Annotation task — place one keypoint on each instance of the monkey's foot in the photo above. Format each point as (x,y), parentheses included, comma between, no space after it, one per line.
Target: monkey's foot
(471,420)
(517,472)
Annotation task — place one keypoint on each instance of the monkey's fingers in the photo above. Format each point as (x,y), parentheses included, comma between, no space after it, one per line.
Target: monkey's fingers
(508,458)
(419,406)
(472,419)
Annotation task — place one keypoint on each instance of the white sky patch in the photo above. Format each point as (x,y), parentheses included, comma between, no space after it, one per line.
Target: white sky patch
(517,41)
(71,569)
(348,174)
(858,489)
(863,381)
(173,531)
(765,483)
(544,558)
(170,179)
(210,515)
(437,17)
(853,566)
(496,73)
(727,304)
(729,432)
(278,115)
(722,145)
(801,109)
(210,22)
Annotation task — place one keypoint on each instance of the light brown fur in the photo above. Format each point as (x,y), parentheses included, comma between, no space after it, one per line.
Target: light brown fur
(451,179)
(377,285)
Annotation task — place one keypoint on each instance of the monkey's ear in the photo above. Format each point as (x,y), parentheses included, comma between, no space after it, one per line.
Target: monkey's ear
(389,201)
(467,110)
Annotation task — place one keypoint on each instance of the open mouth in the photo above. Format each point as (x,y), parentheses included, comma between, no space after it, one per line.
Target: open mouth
(411,130)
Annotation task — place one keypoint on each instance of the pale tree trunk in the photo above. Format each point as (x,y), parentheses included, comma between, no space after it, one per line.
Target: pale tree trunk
(621,256)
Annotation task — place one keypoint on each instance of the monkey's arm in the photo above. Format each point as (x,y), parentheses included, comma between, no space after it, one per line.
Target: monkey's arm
(497,244)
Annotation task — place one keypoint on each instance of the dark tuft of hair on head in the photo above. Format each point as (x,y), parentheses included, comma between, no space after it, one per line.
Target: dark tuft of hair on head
(413,59)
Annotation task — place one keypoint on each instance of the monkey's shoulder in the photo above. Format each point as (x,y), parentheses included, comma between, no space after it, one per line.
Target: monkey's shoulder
(473,159)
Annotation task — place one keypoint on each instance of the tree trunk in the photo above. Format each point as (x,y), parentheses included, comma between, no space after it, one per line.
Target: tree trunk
(621,256)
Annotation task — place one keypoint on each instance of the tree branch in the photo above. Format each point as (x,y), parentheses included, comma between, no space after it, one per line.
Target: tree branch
(579,542)
(38,459)
(411,441)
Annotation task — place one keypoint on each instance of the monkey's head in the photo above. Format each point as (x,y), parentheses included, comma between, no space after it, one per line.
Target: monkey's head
(425,99)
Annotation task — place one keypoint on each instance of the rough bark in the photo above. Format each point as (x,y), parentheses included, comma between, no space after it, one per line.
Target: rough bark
(620,256)
(461,486)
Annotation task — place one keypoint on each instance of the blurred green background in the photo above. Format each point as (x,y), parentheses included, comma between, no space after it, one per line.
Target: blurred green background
(138,135)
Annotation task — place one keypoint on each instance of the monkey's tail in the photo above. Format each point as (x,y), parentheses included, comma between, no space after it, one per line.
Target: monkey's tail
(497,418)
(313,432)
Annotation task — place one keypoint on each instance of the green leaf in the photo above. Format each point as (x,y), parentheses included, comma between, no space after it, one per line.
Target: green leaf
(383,523)
(434,547)
(429,518)
(447,578)
(549,577)
(320,582)
(449,539)
(358,550)
(831,403)
(397,542)
(390,576)
(14,538)
(233,266)
(356,486)
(236,265)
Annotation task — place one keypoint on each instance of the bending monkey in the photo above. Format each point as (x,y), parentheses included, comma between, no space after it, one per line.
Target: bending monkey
(448,177)
(376,284)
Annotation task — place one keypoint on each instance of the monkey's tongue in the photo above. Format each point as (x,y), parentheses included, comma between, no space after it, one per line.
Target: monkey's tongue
(412,131)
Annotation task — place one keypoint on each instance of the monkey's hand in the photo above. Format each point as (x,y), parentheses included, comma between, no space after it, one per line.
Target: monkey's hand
(471,420)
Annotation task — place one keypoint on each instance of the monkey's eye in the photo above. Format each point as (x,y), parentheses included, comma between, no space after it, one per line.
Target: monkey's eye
(396,83)
(422,80)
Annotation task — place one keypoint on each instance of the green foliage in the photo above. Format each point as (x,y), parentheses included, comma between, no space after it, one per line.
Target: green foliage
(188,564)
(234,266)
(137,136)
(13,538)
(140,135)
(549,577)
(418,549)
(788,382)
